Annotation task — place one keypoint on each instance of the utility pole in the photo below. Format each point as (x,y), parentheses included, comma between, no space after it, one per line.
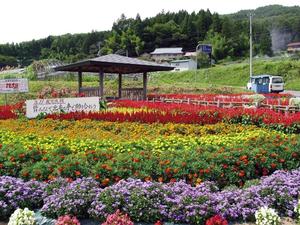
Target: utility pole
(251,69)
(197,47)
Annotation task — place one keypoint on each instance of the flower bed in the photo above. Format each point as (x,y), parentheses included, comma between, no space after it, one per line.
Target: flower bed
(164,159)
(147,112)
(102,130)
(119,135)
(241,97)
(150,201)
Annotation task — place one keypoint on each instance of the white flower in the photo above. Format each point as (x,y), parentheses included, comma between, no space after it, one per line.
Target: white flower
(297,210)
(22,217)
(267,216)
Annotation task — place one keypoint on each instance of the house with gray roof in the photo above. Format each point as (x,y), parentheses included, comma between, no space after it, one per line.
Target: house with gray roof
(166,54)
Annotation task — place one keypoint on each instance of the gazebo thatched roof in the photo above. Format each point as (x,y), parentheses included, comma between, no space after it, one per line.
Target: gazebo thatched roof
(114,64)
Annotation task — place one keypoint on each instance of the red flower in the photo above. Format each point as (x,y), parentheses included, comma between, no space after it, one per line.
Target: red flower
(158,223)
(216,220)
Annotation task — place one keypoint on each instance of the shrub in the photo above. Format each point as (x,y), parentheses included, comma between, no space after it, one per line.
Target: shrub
(15,193)
(74,199)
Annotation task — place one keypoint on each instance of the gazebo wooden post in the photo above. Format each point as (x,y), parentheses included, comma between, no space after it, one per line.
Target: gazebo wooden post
(120,86)
(144,85)
(79,81)
(101,84)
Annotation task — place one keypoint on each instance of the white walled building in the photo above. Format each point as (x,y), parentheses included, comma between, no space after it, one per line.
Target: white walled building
(184,64)
(165,54)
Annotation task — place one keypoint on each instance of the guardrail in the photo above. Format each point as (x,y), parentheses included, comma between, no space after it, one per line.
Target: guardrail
(224,104)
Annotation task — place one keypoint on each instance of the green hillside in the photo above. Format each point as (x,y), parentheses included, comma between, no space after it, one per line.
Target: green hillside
(218,79)
(235,75)
(269,12)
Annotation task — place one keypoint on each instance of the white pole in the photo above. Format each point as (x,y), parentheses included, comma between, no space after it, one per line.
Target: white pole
(251,70)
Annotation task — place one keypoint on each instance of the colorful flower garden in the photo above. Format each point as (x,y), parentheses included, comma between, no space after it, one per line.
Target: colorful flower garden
(141,162)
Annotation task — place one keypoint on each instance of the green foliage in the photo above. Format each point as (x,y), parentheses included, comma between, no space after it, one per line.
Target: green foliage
(8,61)
(203,60)
(228,34)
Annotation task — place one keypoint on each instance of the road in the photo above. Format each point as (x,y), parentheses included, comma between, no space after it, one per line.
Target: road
(295,93)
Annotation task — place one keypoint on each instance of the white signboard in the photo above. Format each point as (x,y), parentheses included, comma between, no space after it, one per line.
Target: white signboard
(56,105)
(13,85)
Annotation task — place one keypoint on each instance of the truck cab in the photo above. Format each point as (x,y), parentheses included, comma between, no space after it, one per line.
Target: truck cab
(266,84)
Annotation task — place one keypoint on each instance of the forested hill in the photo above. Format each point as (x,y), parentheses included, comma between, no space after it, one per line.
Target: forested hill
(274,26)
(268,12)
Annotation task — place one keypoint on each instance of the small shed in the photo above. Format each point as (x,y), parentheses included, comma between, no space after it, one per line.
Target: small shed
(184,64)
(114,64)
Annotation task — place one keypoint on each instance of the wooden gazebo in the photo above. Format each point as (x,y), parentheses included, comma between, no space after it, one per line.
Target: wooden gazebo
(114,64)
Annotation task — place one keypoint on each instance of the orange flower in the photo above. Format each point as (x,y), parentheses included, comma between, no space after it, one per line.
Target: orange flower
(160,179)
(77,173)
(273,155)
(242,173)
(69,179)
(225,166)
(148,179)
(117,178)
(168,170)
(244,157)
(25,174)
(21,156)
(105,182)
(136,160)
(207,171)
(273,165)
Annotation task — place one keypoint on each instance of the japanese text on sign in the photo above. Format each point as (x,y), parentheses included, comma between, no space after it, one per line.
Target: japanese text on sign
(13,85)
(49,106)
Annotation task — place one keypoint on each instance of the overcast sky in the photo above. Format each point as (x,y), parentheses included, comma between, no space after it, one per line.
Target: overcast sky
(23,20)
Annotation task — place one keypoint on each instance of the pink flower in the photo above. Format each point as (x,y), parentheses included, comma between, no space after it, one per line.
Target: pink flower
(67,220)
(118,219)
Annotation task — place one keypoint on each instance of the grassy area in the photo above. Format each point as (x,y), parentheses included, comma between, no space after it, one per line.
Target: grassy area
(234,75)
(218,79)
